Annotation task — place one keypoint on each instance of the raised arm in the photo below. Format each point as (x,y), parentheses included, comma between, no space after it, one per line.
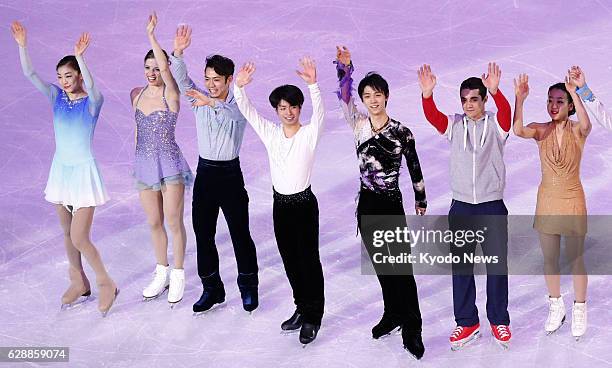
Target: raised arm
(416,175)
(95,97)
(344,69)
(491,81)
(521,91)
(182,40)
(264,128)
(309,75)
(583,118)
(172,91)
(591,102)
(427,82)
(20,35)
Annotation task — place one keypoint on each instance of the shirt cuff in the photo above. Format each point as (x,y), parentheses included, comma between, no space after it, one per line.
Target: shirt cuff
(344,71)
(585,93)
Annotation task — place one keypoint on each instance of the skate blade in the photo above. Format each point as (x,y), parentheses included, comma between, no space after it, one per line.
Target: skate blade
(105,313)
(469,341)
(79,302)
(505,345)
(578,338)
(412,355)
(214,308)
(173,304)
(289,332)
(150,298)
(396,331)
(314,338)
(548,333)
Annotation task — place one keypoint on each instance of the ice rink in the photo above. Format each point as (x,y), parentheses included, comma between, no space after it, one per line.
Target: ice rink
(458,39)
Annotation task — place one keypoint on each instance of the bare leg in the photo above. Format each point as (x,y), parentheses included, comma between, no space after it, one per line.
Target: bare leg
(551,245)
(153,206)
(574,250)
(173,195)
(79,284)
(79,233)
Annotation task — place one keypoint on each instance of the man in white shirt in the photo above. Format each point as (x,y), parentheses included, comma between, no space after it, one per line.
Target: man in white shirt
(291,148)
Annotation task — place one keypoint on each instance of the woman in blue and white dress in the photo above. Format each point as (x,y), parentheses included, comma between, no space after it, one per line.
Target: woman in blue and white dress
(75,185)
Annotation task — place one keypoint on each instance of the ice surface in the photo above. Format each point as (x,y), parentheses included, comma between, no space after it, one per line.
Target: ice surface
(540,38)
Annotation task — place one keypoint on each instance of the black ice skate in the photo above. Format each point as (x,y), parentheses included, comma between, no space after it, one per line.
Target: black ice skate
(250,299)
(308,333)
(293,324)
(413,342)
(386,326)
(210,297)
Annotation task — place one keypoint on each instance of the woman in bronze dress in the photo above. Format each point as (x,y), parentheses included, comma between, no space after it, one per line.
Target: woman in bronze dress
(561,206)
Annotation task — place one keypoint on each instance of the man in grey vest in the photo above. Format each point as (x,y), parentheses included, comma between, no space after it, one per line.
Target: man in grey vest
(477,139)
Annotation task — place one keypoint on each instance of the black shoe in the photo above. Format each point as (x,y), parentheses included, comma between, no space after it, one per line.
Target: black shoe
(210,297)
(293,323)
(250,300)
(386,325)
(308,333)
(413,343)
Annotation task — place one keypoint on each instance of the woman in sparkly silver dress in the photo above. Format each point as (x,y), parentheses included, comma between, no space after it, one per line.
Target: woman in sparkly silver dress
(160,169)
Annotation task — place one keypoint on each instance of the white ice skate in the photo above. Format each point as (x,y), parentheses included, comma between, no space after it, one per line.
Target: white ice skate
(556,315)
(579,320)
(177,286)
(159,283)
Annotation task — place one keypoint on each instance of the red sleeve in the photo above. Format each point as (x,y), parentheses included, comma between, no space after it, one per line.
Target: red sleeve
(433,115)
(503,110)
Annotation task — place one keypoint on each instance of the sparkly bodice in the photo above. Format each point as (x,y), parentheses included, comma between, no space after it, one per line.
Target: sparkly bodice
(155,133)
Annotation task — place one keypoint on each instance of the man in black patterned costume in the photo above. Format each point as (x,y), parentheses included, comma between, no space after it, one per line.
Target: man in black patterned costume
(381,142)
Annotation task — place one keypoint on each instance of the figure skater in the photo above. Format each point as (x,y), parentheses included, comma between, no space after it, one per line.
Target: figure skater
(75,184)
(160,170)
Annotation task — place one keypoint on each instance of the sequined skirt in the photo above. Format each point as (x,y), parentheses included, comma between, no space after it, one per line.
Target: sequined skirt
(153,170)
(184,178)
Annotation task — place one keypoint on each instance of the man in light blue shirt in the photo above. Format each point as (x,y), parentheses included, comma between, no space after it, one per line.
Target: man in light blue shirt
(219,182)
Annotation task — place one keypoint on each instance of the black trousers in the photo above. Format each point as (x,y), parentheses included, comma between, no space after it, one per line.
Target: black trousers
(399,291)
(220,185)
(296,227)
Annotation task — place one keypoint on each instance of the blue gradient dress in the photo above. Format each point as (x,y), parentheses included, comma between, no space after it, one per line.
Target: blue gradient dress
(74,179)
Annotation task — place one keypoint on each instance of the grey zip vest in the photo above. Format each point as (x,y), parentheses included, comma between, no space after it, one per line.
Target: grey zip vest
(477,169)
